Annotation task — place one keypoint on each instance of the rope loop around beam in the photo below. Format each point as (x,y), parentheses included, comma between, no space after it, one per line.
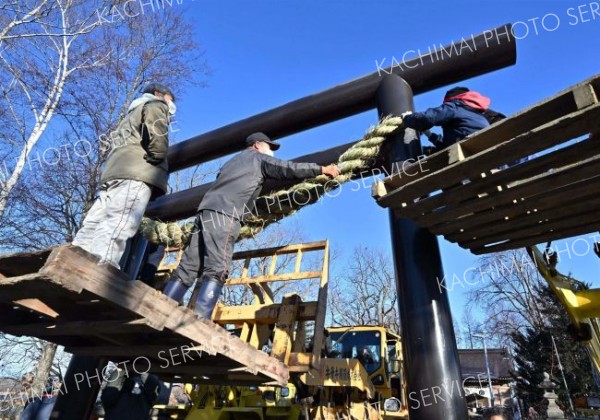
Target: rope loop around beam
(275,206)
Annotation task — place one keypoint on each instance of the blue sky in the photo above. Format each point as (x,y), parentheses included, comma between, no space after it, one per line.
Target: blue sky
(266,53)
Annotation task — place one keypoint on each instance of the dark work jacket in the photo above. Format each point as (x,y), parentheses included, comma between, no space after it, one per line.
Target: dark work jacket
(139,146)
(121,404)
(241,179)
(457,120)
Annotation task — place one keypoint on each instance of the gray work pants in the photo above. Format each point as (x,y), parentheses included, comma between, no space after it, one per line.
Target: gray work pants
(115,217)
(210,249)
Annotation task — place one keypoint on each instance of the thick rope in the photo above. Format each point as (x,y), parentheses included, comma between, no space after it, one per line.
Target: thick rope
(275,206)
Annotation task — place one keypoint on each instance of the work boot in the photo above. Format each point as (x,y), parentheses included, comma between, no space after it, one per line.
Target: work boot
(175,289)
(209,293)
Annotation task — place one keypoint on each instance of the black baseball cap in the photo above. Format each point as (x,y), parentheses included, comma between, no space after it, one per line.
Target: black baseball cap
(256,137)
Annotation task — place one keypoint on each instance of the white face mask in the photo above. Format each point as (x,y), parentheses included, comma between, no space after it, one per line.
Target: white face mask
(265,149)
(172,108)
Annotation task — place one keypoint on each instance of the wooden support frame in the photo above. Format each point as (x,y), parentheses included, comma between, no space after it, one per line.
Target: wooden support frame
(286,319)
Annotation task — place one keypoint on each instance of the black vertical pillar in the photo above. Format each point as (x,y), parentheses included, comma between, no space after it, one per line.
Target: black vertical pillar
(80,388)
(433,376)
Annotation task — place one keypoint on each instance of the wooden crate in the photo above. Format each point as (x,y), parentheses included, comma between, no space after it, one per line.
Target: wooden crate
(467,194)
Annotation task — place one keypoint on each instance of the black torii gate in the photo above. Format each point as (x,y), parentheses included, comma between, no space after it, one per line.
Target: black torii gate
(429,342)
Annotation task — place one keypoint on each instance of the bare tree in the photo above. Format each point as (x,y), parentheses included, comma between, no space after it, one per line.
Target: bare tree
(83,70)
(47,206)
(275,236)
(365,293)
(504,289)
(467,329)
(57,63)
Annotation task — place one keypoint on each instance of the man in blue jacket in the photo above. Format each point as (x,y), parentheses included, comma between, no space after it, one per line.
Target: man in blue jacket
(221,212)
(462,113)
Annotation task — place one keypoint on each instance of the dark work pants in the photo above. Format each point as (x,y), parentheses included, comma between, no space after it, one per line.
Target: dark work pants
(39,409)
(209,252)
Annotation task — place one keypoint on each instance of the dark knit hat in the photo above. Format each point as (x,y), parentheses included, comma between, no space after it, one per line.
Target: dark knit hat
(157,87)
(457,90)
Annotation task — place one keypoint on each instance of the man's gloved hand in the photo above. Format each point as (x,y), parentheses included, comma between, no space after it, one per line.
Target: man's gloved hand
(404,114)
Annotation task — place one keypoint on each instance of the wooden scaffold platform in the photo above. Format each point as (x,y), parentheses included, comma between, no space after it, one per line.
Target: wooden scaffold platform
(63,296)
(470,193)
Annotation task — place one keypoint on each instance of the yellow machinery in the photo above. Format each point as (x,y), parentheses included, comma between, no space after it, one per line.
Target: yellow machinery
(335,373)
(582,304)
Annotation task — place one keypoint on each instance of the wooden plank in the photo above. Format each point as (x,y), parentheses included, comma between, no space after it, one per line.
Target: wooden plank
(318,336)
(589,215)
(69,300)
(275,277)
(72,266)
(584,96)
(69,265)
(455,154)
(506,229)
(526,120)
(555,159)
(81,328)
(284,328)
(538,139)
(533,186)
(300,361)
(418,169)
(299,338)
(288,249)
(37,306)
(156,352)
(545,200)
(19,264)
(538,239)
(378,189)
(262,314)
(214,339)
(273,265)
(298,262)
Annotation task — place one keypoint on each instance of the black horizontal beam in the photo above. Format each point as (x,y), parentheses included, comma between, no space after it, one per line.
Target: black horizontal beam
(476,55)
(183,204)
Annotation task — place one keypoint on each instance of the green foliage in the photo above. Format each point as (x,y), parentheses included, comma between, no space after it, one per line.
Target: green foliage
(534,355)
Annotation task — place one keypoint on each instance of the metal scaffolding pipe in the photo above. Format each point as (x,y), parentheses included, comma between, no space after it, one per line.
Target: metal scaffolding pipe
(471,56)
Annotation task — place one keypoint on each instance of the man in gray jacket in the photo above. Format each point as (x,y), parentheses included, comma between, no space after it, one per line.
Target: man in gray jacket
(218,223)
(135,171)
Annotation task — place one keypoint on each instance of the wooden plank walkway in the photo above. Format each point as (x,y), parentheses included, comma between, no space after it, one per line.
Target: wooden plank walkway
(467,194)
(62,295)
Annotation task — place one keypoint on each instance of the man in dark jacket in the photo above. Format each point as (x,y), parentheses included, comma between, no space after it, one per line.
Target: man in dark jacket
(135,171)
(461,114)
(231,197)
(130,397)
